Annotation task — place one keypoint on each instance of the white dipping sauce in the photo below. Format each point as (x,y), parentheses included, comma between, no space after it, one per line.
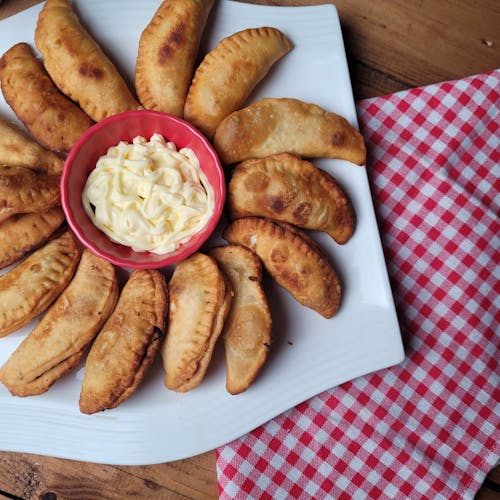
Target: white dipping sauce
(148,195)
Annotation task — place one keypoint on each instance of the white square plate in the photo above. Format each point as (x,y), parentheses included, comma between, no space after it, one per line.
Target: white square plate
(309,355)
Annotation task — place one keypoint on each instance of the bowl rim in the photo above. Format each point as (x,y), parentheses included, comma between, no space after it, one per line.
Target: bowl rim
(209,228)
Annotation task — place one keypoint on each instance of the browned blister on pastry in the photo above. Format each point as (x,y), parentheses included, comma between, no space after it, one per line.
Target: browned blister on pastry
(54,120)
(200,297)
(29,288)
(18,150)
(283,125)
(127,344)
(23,190)
(77,64)
(167,53)
(247,330)
(59,340)
(286,188)
(229,72)
(22,233)
(292,259)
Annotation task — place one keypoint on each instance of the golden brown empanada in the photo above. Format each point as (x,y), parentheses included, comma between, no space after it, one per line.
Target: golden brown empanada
(229,72)
(127,344)
(50,116)
(274,125)
(17,150)
(59,340)
(22,233)
(28,289)
(77,64)
(247,330)
(167,53)
(23,190)
(200,298)
(284,187)
(292,259)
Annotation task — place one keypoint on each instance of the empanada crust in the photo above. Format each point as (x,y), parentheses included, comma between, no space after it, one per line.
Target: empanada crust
(23,233)
(228,74)
(23,190)
(286,188)
(77,64)
(127,344)
(18,150)
(54,120)
(167,54)
(30,288)
(200,298)
(292,259)
(284,125)
(247,329)
(59,340)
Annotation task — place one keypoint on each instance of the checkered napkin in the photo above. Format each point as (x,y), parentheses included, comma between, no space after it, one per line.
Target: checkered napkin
(429,427)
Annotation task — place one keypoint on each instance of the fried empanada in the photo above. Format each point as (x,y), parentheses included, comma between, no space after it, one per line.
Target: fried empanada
(127,344)
(247,330)
(22,233)
(23,190)
(229,72)
(167,53)
(200,297)
(54,120)
(77,64)
(28,289)
(59,340)
(284,187)
(18,150)
(292,259)
(283,125)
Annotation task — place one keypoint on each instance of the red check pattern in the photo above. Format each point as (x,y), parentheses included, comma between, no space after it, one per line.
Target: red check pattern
(429,427)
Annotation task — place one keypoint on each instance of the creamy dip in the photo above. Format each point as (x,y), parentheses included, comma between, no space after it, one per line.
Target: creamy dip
(148,196)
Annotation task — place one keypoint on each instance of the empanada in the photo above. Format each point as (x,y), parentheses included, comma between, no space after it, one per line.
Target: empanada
(200,297)
(22,233)
(229,72)
(59,340)
(127,344)
(54,120)
(247,330)
(286,188)
(283,125)
(28,289)
(23,190)
(167,53)
(18,150)
(77,64)
(292,259)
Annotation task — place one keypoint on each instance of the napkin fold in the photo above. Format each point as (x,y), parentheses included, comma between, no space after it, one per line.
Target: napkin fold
(429,427)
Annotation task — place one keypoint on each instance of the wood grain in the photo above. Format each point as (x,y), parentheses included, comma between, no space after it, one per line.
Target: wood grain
(391,45)
(395,44)
(33,476)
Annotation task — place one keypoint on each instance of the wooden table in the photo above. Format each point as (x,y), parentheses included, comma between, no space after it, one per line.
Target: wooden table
(391,45)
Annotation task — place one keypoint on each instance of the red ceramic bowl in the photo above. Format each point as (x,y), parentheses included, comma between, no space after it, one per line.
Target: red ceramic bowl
(95,142)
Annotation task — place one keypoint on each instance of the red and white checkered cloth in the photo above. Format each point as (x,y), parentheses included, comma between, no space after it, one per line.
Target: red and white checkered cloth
(429,427)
